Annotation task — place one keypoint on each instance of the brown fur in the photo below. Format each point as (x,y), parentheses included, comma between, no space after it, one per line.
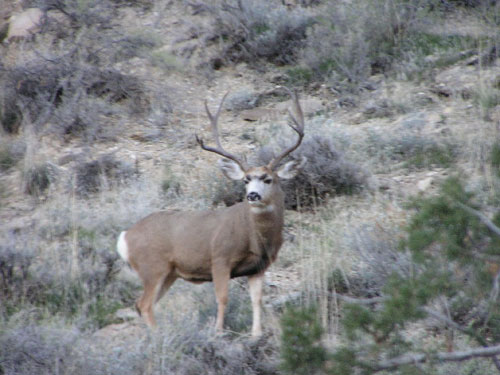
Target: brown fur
(201,246)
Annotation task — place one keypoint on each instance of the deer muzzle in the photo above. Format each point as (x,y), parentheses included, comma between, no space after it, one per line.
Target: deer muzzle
(253,197)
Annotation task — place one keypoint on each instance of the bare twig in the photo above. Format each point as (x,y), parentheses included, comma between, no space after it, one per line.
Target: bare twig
(361,301)
(414,358)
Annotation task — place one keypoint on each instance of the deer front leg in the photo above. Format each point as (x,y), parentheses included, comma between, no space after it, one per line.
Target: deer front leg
(255,285)
(221,277)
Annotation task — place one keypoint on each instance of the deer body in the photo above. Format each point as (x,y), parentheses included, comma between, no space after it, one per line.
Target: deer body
(244,241)
(213,245)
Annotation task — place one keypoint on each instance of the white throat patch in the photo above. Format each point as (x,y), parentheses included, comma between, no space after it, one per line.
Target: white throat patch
(256,209)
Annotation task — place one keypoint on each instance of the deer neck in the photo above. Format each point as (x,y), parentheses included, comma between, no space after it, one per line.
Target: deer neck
(267,223)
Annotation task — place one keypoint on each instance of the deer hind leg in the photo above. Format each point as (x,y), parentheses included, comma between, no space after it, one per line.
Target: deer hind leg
(155,287)
(221,277)
(255,285)
(167,283)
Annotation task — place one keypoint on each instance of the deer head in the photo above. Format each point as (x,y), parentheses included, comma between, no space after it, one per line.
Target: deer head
(260,182)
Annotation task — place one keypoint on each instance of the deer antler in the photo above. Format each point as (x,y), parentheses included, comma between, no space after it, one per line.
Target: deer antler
(299,129)
(219,149)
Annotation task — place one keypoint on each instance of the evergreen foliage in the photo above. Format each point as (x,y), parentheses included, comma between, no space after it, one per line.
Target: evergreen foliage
(455,263)
(302,352)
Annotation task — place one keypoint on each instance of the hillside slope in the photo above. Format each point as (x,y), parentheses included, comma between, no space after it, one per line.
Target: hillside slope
(99,106)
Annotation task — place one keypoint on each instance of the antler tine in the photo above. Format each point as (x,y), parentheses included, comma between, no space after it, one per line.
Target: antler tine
(298,128)
(215,131)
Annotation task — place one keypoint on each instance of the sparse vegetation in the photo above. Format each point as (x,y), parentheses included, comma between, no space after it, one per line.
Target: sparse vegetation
(326,173)
(411,150)
(259,30)
(105,89)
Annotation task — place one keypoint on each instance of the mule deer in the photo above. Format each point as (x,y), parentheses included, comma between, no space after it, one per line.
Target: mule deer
(216,245)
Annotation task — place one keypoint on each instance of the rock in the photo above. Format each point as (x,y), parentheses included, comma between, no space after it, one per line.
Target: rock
(415,122)
(434,118)
(308,105)
(24,24)
(378,108)
(425,184)
(257,114)
(242,100)
(126,314)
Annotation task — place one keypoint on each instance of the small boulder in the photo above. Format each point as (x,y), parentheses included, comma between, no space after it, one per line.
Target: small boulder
(425,184)
(25,24)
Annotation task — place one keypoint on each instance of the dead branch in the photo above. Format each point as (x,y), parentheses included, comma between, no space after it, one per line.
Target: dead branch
(415,358)
(489,224)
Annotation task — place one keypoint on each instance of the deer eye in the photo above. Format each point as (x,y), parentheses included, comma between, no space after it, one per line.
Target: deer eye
(247,179)
(268,181)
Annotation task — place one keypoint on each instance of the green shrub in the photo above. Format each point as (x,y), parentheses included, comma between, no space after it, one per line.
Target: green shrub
(301,348)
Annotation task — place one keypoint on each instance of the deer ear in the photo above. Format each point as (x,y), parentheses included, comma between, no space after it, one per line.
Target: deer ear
(290,169)
(231,169)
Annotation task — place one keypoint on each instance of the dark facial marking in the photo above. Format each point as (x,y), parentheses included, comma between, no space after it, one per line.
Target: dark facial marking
(266,178)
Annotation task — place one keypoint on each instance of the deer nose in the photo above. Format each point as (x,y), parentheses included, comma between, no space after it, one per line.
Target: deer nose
(253,196)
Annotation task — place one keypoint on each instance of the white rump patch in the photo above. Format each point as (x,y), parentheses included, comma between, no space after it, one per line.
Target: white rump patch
(122,247)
